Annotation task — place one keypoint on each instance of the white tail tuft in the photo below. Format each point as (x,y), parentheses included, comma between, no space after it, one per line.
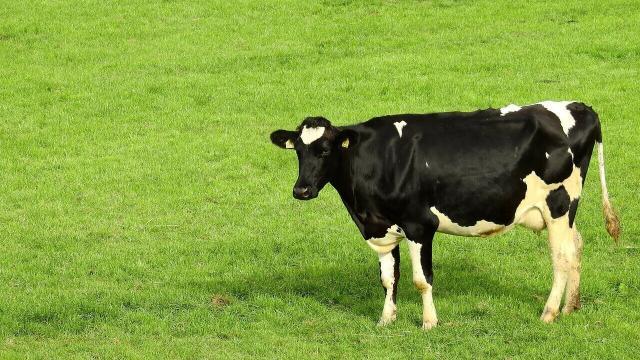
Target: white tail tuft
(612,222)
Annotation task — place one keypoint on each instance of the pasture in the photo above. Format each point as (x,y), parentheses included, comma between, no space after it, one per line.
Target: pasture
(144,212)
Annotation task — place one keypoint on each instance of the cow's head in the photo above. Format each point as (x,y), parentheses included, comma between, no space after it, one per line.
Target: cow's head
(318,145)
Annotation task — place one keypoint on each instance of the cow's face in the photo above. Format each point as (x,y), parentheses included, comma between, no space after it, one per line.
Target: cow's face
(318,146)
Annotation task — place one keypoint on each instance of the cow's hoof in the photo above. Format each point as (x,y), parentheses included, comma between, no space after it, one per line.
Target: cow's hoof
(386,320)
(428,325)
(548,316)
(571,307)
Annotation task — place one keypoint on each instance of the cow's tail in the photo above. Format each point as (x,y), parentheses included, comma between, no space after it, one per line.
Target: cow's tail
(611,220)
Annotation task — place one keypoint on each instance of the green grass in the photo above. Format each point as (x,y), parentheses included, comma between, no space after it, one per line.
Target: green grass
(144,212)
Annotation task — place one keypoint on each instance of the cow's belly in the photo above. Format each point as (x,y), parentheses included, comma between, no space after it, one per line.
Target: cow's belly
(530,213)
(532,219)
(480,228)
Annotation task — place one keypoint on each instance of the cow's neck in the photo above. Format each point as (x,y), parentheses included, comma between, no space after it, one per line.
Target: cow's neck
(343,182)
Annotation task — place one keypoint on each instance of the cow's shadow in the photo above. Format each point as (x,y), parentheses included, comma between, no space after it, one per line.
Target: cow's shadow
(354,287)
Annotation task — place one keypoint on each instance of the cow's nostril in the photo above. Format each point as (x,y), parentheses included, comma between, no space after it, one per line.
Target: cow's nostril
(302,192)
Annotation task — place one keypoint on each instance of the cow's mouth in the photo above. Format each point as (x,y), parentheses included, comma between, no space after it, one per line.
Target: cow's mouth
(304,193)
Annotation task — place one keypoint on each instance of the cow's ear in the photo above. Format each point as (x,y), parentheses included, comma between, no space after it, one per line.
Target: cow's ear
(347,138)
(284,138)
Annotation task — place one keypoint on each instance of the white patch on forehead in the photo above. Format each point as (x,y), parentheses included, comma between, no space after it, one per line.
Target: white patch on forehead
(426,163)
(559,108)
(509,108)
(310,135)
(399,125)
(546,154)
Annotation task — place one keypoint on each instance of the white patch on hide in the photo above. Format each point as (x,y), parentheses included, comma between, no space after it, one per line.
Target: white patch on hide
(532,219)
(399,125)
(385,244)
(573,184)
(559,108)
(480,228)
(508,109)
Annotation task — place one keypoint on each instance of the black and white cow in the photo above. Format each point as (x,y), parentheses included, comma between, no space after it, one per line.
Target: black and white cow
(465,173)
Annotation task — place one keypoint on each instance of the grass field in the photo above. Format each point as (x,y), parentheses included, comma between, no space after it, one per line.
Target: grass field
(145,214)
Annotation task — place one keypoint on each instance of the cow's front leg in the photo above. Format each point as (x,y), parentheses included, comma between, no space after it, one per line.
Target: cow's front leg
(421,264)
(389,257)
(389,276)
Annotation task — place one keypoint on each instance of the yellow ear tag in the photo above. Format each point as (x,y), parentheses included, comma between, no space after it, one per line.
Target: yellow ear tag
(288,144)
(345,143)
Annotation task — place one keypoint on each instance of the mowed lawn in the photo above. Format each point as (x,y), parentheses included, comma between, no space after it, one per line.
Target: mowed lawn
(144,212)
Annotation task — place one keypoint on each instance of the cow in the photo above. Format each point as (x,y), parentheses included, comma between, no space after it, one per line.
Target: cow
(474,173)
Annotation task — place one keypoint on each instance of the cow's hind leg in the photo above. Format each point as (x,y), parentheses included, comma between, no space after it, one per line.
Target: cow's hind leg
(563,255)
(572,296)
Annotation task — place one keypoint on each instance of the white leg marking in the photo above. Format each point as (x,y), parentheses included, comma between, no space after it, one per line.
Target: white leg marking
(399,125)
(559,108)
(572,296)
(310,135)
(429,316)
(387,276)
(383,247)
(562,245)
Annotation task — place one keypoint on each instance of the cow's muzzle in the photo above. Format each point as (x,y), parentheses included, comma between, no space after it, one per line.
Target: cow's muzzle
(304,193)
